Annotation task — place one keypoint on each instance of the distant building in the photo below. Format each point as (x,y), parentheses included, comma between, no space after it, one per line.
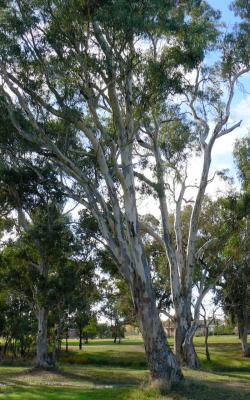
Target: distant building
(131,330)
(169,327)
(73,333)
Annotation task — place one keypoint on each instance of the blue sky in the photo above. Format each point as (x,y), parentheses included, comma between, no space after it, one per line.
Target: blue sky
(223,156)
(223,6)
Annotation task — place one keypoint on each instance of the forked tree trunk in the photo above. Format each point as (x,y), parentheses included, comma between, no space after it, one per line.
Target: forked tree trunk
(183,343)
(179,337)
(243,331)
(42,357)
(163,365)
(190,355)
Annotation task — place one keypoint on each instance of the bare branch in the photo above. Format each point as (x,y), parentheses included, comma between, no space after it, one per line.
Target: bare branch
(151,231)
(228,130)
(143,178)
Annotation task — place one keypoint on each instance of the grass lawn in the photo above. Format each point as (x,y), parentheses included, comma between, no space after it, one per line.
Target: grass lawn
(104,371)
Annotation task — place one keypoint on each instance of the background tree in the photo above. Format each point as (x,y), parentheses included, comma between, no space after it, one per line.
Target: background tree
(44,242)
(235,292)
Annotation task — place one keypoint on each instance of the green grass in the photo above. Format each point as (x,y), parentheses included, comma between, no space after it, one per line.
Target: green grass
(104,371)
(112,355)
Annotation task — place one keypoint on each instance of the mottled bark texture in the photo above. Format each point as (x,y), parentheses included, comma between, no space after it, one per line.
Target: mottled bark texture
(243,333)
(163,364)
(182,257)
(44,360)
(184,333)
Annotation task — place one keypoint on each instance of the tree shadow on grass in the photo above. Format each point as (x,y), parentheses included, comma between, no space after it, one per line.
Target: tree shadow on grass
(41,393)
(79,378)
(193,389)
(108,358)
(188,390)
(185,391)
(116,377)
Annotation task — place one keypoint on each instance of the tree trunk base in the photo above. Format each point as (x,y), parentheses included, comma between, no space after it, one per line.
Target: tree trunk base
(193,363)
(161,385)
(163,365)
(47,364)
(46,367)
(190,358)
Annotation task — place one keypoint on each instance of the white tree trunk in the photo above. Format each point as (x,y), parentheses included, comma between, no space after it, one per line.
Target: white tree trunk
(243,332)
(184,334)
(42,357)
(163,364)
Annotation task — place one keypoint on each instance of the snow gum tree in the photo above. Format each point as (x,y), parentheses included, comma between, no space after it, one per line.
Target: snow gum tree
(84,66)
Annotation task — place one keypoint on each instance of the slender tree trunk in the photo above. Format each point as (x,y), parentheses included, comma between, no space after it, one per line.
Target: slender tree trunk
(57,338)
(6,344)
(42,358)
(163,365)
(22,348)
(80,338)
(13,348)
(243,331)
(67,343)
(206,344)
(181,283)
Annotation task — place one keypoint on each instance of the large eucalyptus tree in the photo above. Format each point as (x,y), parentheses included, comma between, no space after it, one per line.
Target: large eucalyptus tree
(87,66)
(169,135)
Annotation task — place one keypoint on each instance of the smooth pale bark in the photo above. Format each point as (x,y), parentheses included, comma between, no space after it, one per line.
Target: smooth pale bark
(43,360)
(243,332)
(182,259)
(116,218)
(115,211)
(190,355)
(162,363)
(184,346)
(186,326)
(42,357)
(179,272)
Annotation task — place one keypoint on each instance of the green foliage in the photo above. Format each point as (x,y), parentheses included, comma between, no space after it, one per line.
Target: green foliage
(117,306)
(235,214)
(236,44)
(242,158)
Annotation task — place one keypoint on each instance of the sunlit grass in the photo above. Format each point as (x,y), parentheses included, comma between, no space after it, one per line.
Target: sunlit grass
(106,371)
